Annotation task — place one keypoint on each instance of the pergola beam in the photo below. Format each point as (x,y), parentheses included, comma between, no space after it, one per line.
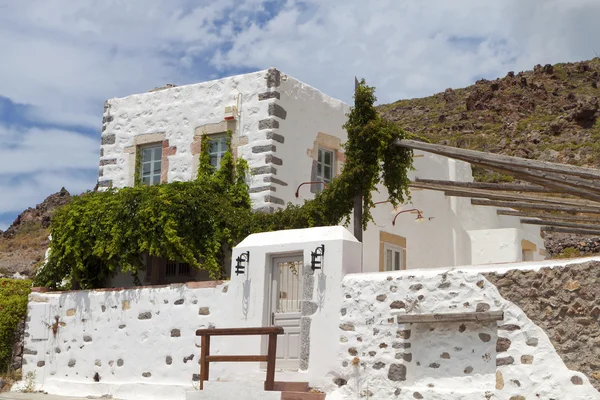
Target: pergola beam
(534,206)
(558,217)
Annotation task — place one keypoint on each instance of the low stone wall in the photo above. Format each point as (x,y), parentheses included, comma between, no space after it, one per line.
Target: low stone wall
(565,302)
(380,358)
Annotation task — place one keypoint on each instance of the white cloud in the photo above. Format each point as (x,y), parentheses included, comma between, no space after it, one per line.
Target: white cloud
(25,151)
(65,58)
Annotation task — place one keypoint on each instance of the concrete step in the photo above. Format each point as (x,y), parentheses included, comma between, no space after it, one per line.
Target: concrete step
(302,396)
(291,386)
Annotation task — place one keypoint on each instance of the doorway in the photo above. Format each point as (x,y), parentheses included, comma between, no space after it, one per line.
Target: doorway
(285,295)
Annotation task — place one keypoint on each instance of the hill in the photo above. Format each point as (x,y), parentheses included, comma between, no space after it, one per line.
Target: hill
(550,114)
(23,245)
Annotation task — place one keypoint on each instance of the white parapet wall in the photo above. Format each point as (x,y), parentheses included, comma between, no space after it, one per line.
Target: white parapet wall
(382,355)
(140,343)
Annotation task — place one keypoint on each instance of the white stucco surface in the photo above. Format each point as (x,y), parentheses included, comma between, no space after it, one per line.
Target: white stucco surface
(142,344)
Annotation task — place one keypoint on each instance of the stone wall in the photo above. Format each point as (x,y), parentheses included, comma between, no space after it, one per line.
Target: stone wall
(565,302)
(381,357)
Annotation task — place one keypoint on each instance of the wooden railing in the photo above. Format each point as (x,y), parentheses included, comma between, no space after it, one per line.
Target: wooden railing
(206,358)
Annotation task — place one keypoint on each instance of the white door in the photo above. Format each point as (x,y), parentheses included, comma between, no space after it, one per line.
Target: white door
(286,296)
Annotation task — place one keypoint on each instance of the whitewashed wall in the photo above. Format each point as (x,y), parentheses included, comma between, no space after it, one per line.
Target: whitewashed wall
(280,120)
(382,359)
(142,343)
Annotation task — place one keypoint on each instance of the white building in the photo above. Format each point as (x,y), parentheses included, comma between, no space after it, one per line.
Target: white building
(291,134)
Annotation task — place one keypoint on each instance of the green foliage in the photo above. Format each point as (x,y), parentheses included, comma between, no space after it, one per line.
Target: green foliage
(13,307)
(100,234)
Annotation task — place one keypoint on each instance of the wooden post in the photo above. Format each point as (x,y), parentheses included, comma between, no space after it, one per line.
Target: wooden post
(271,360)
(358,201)
(204,364)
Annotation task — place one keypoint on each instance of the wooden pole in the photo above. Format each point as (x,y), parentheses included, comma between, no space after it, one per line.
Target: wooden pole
(358,198)
(559,217)
(559,229)
(495,195)
(569,184)
(271,360)
(507,187)
(534,206)
(453,152)
(559,223)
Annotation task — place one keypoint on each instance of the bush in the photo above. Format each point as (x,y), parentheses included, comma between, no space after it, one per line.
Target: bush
(13,308)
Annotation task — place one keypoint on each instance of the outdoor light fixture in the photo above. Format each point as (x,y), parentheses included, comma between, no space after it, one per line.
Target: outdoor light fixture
(242,258)
(318,253)
(308,183)
(420,217)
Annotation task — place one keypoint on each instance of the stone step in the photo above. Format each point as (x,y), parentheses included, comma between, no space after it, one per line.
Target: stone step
(302,396)
(291,386)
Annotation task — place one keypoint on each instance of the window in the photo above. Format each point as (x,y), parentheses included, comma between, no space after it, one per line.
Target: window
(175,268)
(218,148)
(325,165)
(151,165)
(394,257)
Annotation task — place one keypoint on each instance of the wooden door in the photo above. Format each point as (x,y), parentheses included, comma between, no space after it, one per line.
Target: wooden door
(286,296)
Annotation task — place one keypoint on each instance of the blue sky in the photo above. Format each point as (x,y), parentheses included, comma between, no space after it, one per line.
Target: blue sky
(61,59)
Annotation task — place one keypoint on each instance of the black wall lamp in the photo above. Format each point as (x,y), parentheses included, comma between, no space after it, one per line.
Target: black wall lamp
(318,253)
(242,258)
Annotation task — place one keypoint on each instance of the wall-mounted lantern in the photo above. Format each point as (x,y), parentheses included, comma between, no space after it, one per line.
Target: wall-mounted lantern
(309,183)
(419,218)
(316,257)
(242,259)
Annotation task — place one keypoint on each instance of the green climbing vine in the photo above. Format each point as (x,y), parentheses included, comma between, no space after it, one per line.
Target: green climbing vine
(102,233)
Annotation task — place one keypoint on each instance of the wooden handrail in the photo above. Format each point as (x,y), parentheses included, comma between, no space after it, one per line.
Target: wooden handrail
(240,331)
(270,358)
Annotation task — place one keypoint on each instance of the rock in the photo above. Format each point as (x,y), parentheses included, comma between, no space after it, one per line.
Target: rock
(468,370)
(381,297)
(504,361)
(378,365)
(502,344)
(526,359)
(397,304)
(575,380)
(2,383)
(397,372)
(347,327)
(482,307)
(499,381)
(485,337)
(340,382)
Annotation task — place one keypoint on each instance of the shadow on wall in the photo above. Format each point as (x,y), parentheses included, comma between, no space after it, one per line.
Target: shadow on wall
(246,298)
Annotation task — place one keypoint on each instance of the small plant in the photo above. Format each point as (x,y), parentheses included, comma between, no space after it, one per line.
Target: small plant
(29,385)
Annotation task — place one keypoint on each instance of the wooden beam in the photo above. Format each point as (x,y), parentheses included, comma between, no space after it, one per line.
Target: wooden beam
(534,206)
(559,217)
(450,317)
(569,184)
(586,189)
(508,187)
(559,223)
(453,152)
(494,195)
(240,331)
(576,231)
(236,358)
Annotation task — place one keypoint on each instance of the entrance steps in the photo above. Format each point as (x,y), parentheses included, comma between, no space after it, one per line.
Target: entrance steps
(221,390)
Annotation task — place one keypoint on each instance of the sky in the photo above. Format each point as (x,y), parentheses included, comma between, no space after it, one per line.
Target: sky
(61,59)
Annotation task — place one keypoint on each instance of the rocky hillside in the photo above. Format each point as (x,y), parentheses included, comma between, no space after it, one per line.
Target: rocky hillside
(550,113)
(23,245)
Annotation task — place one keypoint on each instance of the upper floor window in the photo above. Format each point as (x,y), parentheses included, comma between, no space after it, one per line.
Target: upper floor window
(151,164)
(218,148)
(325,164)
